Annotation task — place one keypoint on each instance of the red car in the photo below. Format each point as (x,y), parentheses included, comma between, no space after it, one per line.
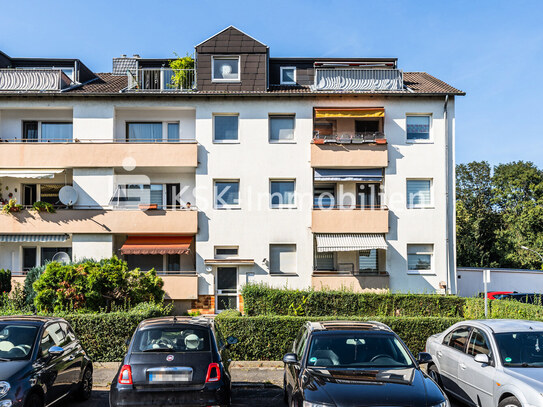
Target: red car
(497,295)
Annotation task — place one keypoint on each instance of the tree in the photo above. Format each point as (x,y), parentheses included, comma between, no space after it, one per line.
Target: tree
(5,281)
(183,77)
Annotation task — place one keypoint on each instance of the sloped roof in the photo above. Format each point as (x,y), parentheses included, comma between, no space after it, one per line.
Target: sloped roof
(231,40)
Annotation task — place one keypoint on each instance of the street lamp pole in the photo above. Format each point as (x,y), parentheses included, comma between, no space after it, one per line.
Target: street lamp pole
(533,251)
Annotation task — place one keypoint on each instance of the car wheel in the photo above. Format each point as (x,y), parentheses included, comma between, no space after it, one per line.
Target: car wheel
(85,387)
(510,402)
(434,374)
(34,400)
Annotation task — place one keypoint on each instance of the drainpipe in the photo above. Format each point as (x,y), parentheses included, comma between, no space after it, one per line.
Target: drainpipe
(447,183)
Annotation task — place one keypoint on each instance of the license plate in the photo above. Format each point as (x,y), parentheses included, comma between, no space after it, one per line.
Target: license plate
(169,377)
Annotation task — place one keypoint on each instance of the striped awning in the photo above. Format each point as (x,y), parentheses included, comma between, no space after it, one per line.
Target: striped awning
(37,174)
(157,245)
(349,113)
(348,242)
(33,238)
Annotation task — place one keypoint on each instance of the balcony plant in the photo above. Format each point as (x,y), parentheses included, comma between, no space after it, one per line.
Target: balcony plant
(182,78)
(12,206)
(41,206)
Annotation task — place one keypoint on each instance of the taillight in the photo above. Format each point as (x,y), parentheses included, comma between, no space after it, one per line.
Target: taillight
(213,373)
(125,376)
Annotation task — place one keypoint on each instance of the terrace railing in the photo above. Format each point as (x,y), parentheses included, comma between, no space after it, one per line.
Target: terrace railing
(39,79)
(161,80)
(349,138)
(358,79)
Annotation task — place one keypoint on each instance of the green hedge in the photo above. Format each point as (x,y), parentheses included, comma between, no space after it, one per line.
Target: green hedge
(259,299)
(270,337)
(104,335)
(504,309)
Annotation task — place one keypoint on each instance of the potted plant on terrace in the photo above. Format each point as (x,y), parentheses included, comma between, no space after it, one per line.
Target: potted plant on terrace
(12,206)
(41,206)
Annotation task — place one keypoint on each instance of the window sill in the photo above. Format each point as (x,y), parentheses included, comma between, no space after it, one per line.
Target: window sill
(421,273)
(283,142)
(225,80)
(283,207)
(419,141)
(284,275)
(226,142)
(226,208)
(421,207)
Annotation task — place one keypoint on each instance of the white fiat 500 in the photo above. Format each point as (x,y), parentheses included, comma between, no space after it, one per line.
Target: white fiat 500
(490,363)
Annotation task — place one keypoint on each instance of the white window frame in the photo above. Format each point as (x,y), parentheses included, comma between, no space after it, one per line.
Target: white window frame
(226,256)
(232,180)
(281,75)
(215,141)
(269,254)
(282,115)
(407,198)
(431,135)
(213,79)
(432,261)
(282,206)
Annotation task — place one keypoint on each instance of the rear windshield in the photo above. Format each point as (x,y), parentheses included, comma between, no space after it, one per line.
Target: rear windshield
(172,339)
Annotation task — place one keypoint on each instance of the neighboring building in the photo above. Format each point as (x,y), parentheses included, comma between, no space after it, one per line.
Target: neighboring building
(299,171)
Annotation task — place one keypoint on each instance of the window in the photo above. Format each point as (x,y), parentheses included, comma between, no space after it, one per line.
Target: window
(226,194)
(50,193)
(47,253)
(225,69)
(173,132)
(172,339)
(458,339)
(226,251)
(56,132)
(282,194)
(288,75)
(226,128)
(369,196)
(478,344)
(30,131)
(419,193)
(29,258)
(145,262)
(281,128)
(134,194)
(173,262)
(368,260)
(324,196)
(53,336)
(144,132)
(418,128)
(419,257)
(282,259)
(324,261)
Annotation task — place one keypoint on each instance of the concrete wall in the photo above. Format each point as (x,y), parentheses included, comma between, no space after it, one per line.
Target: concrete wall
(470,281)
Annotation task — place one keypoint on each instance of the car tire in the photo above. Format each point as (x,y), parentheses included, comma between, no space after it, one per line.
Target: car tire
(510,402)
(84,390)
(433,372)
(34,400)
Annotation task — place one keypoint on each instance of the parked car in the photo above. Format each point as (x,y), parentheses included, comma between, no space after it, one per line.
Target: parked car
(41,362)
(496,295)
(526,298)
(490,363)
(174,361)
(345,363)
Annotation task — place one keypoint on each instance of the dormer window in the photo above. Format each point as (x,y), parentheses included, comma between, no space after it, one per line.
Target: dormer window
(226,69)
(288,75)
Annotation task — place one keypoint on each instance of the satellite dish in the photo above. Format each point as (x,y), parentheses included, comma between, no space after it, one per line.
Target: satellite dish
(62,257)
(68,195)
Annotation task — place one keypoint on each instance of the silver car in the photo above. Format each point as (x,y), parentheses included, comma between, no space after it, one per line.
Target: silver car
(490,363)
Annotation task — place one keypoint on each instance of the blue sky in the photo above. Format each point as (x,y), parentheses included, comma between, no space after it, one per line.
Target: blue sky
(493,50)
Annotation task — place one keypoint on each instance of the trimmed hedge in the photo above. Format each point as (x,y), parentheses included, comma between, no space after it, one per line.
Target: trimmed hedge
(260,299)
(504,309)
(270,337)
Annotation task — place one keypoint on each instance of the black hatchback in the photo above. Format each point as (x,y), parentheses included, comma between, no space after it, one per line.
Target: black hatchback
(41,362)
(174,361)
(348,363)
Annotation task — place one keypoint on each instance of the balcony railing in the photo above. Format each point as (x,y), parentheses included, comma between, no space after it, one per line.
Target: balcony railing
(97,140)
(38,79)
(358,79)
(161,80)
(349,138)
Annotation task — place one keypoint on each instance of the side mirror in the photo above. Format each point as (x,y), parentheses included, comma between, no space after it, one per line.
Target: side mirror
(482,359)
(424,358)
(290,358)
(231,340)
(55,351)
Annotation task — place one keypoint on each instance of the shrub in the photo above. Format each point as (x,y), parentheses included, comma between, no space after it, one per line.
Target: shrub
(41,206)
(270,337)
(93,286)
(5,281)
(29,292)
(502,309)
(259,299)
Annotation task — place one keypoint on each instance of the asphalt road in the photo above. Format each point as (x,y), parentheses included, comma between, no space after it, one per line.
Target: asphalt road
(241,397)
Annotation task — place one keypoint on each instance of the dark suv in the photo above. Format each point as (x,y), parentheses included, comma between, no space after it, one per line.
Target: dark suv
(352,363)
(174,361)
(41,362)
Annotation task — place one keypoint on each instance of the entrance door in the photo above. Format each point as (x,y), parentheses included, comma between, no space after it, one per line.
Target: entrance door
(29,194)
(227,288)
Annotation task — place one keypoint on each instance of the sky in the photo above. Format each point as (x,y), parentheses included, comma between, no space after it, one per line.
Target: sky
(492,50)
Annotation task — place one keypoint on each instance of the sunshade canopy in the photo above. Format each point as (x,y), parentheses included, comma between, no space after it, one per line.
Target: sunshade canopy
(29,173)
(353,113)
(368,175)
(32,238)
(348,242)
(157,245)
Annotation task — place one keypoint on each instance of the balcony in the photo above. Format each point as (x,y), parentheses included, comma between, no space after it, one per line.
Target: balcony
(39,79)
(98,221)
(340,220)
(357,150)
(357,282)
(358,79)
(98,154)
(161,80)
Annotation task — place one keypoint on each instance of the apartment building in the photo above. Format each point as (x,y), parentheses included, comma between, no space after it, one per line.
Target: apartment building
(298,172)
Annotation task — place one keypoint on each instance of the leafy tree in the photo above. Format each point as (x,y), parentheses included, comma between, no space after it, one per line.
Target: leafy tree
(182,78)
(32,275)
(5,281)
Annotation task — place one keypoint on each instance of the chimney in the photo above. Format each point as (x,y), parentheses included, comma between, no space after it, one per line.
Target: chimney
(123,64)
(123,55)
(137,56)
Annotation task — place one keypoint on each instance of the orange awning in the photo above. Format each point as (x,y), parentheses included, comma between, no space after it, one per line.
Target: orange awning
(350,112)
(157,245)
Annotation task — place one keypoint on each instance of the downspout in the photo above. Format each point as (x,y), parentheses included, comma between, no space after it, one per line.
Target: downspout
(447,184)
